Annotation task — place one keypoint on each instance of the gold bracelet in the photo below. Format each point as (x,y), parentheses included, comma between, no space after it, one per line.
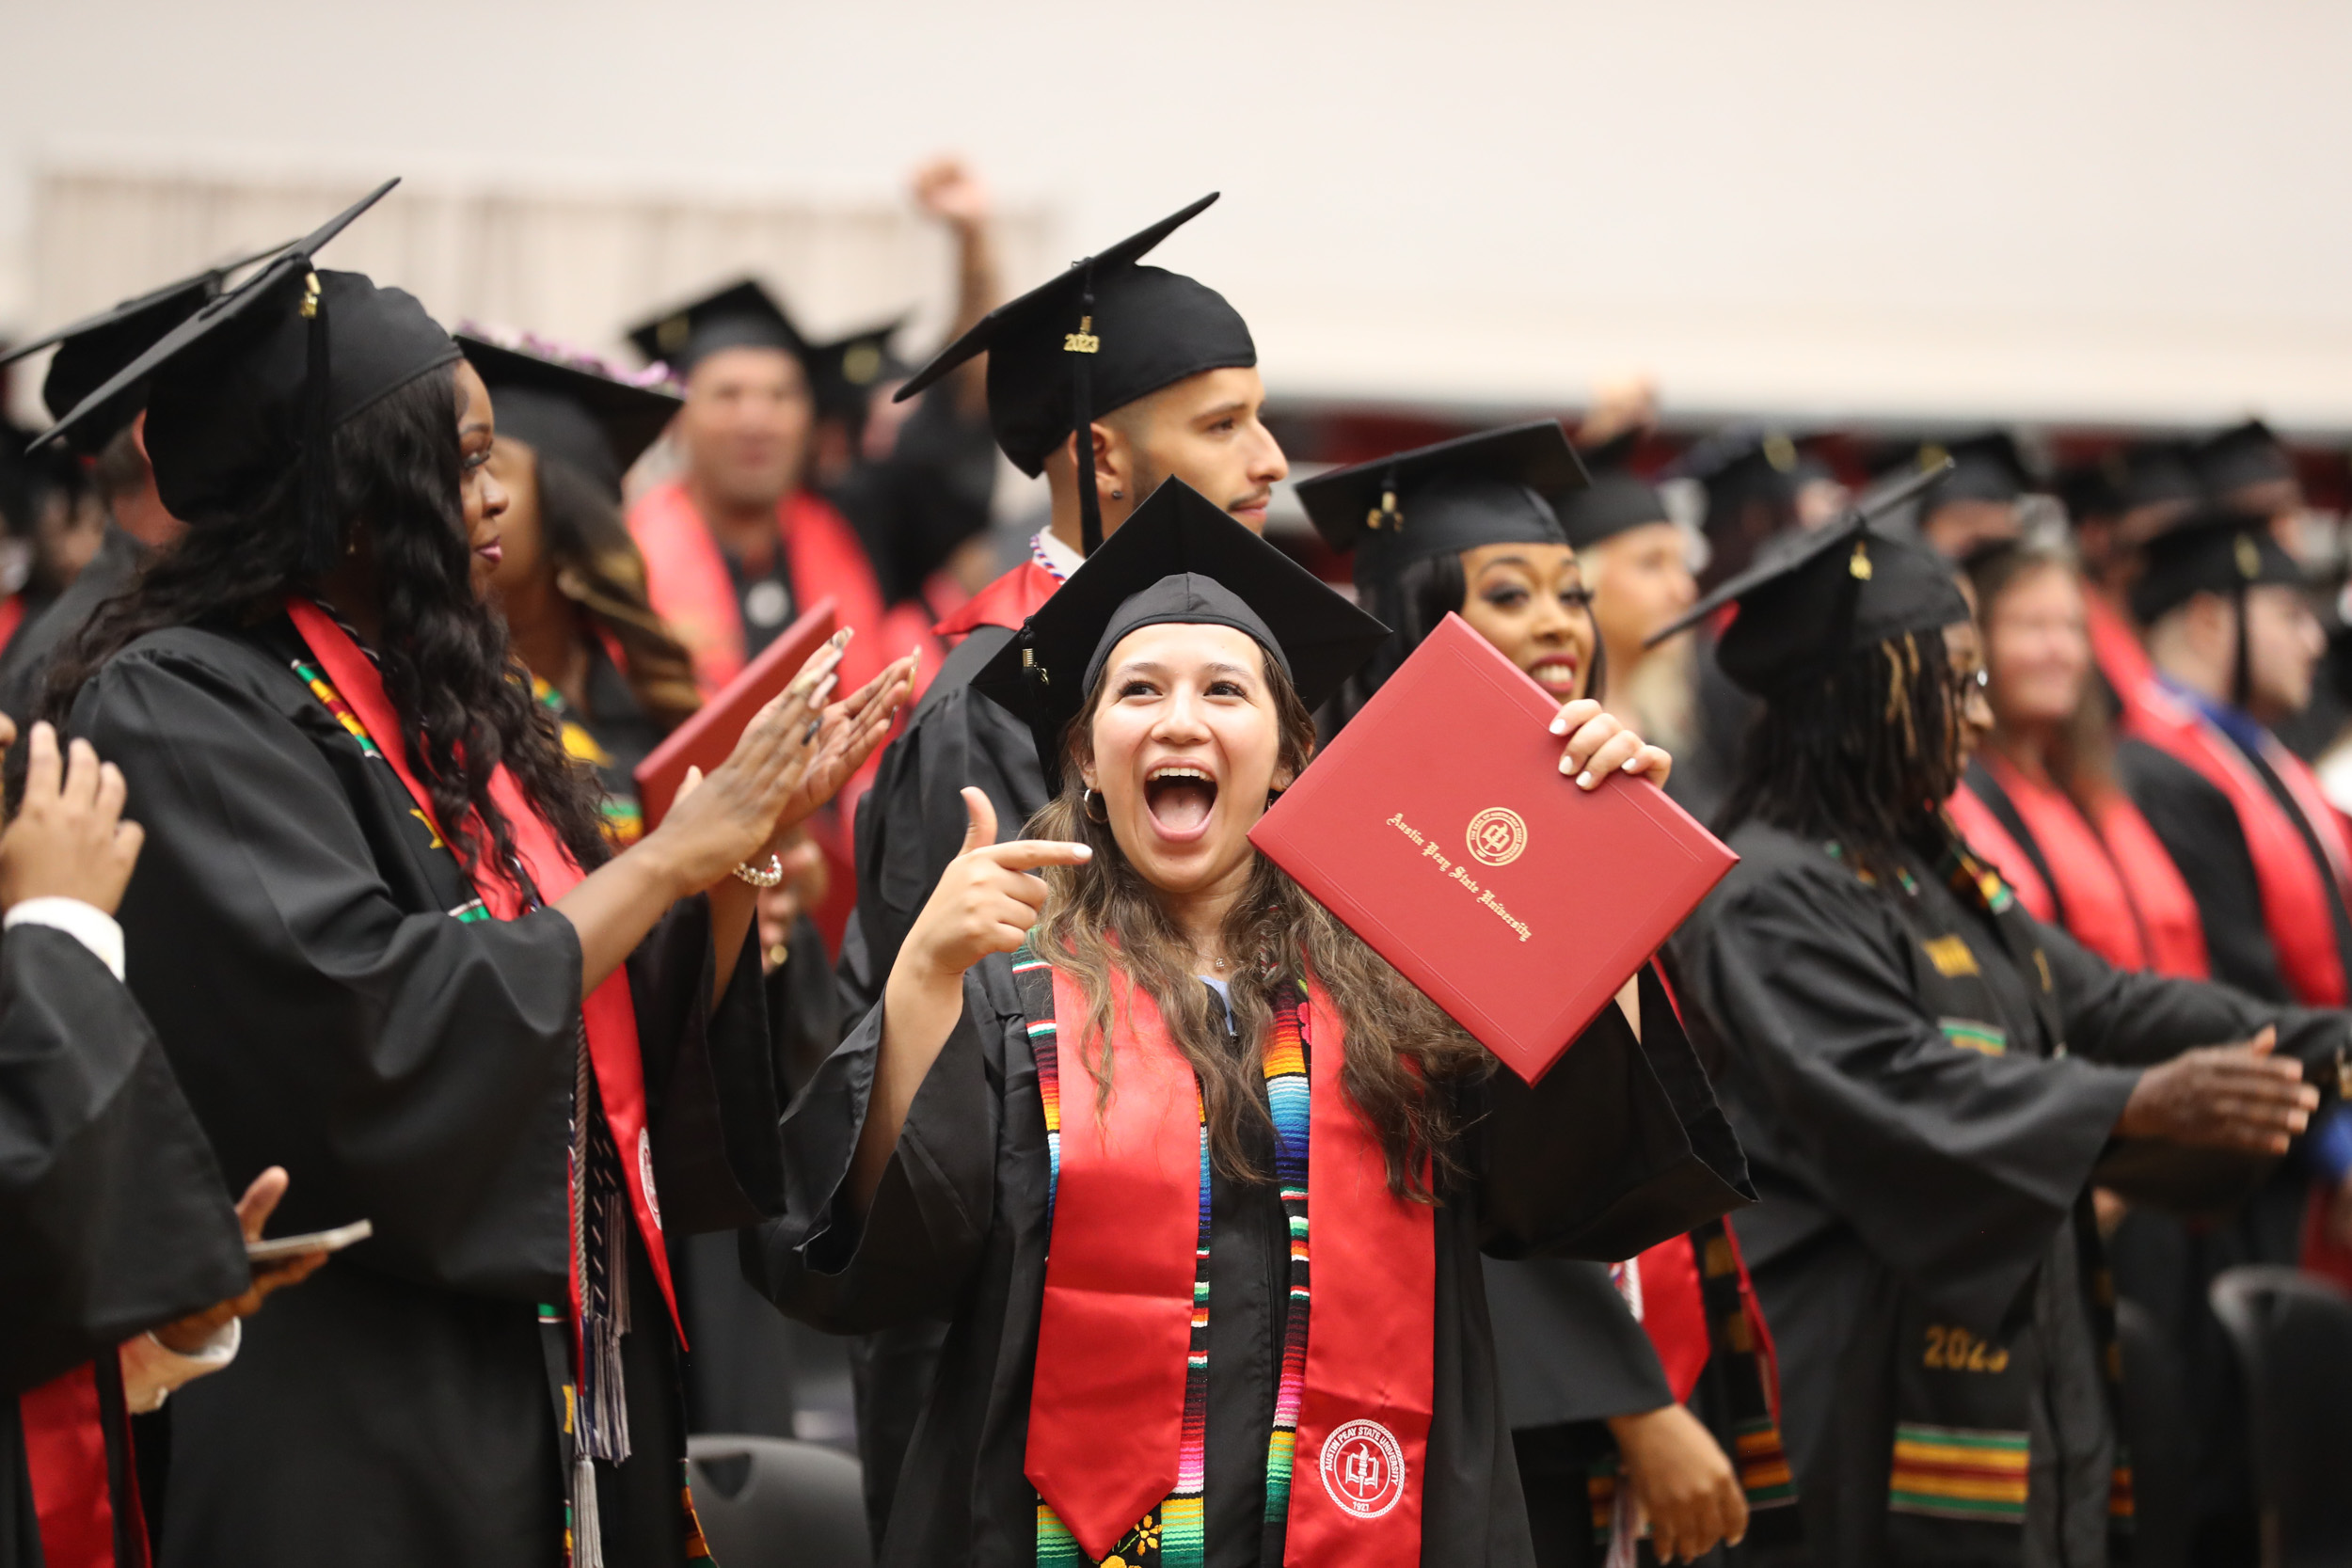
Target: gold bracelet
(766,877)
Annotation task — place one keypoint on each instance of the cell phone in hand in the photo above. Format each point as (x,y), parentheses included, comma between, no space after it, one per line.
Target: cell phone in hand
(278,1248)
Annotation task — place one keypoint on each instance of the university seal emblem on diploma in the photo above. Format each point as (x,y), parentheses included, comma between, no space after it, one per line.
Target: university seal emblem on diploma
(1498,835)
(1363,1469)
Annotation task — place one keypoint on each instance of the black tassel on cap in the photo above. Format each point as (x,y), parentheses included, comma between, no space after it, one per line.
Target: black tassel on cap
(1086,345)
(321,534)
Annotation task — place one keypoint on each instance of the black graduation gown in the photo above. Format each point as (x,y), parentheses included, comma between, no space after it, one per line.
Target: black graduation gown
(741,1373)
(112,1216)
(290,933)
(1917,1194)
(2160,1262)
(910,825)
(1620,1146)
(24,667)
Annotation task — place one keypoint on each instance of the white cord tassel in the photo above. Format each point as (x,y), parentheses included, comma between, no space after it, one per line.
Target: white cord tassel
(587,1528)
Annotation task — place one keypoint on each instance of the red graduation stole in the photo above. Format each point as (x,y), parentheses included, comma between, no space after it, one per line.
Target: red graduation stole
(2295,890)
(608,1014)
(1007,602)
(1107,1402)
(687,580)
(2123,898)
(65,1455)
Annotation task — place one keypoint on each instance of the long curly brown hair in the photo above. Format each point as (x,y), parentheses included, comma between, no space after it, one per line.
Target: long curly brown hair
(599,567)
(1404,1055)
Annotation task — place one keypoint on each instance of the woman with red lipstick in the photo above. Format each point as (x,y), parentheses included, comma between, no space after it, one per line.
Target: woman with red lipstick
(1154,1064)
(1474,527)
(384,944)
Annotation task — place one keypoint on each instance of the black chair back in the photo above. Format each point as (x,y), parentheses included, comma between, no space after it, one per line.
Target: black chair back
(2293,1334)
(771,1503)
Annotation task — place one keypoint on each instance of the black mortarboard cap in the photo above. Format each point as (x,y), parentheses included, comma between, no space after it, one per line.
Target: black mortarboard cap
(93,350)
(1822,595)
(844,373)
(1094,339)
(2244,454)
(2152,473)
(1616,500)
(260,376)
(1985,467)
(741,315)
(1495,488)
(1179,557)
(2212,550)
(577,415)
(1748,462)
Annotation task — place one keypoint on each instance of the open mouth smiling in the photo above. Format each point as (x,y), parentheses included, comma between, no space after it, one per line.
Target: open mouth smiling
(1179,797)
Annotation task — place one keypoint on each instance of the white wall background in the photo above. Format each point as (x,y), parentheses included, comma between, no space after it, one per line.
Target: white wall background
(2062,209)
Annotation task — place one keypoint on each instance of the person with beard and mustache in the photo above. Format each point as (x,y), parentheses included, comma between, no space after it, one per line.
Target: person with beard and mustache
(1929,1082)
(385,944)
(1106,379)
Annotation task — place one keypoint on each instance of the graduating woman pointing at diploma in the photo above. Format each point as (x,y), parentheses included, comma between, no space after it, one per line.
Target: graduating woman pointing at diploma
(1106,1123)
(384,944)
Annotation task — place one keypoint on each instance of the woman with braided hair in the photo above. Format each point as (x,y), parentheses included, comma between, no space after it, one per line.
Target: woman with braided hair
(1927,1081)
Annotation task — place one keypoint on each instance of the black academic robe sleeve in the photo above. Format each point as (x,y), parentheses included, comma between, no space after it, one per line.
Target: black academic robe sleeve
(911,824)
(1619,1147)
(911,1254)
(407,1068)
(113,1216)
(1568,1346)
(2200,829)
(1955,1167)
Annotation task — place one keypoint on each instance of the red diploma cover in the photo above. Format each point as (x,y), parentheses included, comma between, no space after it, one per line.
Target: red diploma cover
(1439,829)
(704,740)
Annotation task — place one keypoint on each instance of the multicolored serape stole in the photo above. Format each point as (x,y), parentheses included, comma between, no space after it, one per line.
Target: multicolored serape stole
(1174,1535)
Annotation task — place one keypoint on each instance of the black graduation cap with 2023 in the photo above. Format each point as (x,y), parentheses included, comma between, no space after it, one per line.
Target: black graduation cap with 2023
(93,350)
(1821,595)
(1094,339)
(595,423)
(741,315)
(1499,487)
(259,378)
(1179,557)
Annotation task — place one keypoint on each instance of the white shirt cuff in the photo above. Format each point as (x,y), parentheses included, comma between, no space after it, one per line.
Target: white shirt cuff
(151,1370)
(87,923)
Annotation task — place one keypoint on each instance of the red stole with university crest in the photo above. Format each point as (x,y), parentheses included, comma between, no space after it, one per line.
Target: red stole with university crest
(1106,1411)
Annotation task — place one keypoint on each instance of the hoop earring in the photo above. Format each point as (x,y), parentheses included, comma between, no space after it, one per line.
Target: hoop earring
(1096,812)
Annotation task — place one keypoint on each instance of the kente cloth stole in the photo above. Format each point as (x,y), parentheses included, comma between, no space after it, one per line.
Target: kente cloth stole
(1955,1473)
(623,818)
(1118,1410)
(610,1174)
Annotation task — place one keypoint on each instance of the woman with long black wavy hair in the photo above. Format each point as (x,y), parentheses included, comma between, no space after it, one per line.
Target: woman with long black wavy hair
(386,945)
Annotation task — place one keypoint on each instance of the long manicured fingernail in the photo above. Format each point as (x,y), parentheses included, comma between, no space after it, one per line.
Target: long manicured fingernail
(1632,764)
(1586,778)
(1559,726)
